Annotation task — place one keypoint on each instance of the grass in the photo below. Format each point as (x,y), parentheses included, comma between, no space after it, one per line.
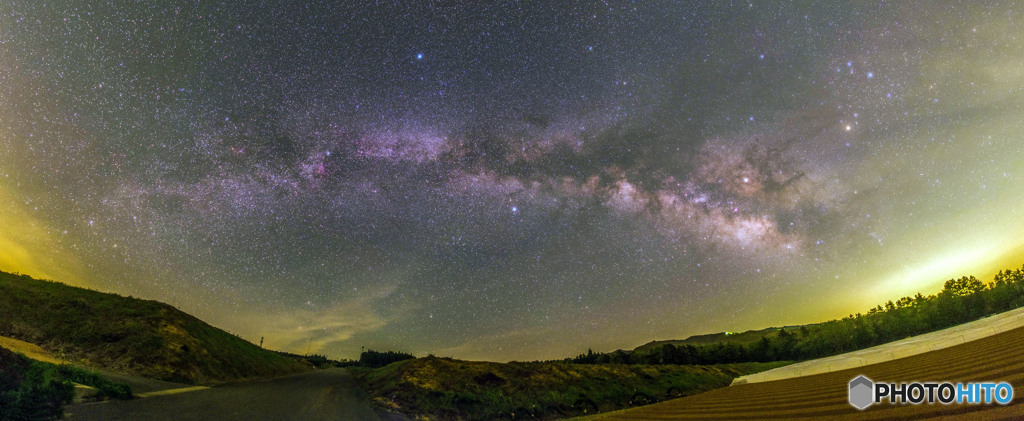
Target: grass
(130,335)
(447,389)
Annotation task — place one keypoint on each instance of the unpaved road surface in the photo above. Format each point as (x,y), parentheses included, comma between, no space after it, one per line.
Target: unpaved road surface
(319,395)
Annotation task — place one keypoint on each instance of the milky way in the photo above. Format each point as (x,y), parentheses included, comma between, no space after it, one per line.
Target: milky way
(509,181)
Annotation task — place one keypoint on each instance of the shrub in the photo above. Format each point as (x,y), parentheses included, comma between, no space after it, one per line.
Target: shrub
(31,389)
(106,388)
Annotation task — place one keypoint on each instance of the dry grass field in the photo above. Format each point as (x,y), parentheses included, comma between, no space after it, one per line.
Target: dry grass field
(824,396)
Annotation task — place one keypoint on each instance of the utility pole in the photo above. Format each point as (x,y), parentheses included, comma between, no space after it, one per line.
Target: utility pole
(261,342)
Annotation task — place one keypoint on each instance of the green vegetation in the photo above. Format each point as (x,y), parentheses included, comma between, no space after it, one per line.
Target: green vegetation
(741,338)
(105,389)
(320,361)
(370,358)
(32,389)
(136,336)
(960,301)
(444,388)
(374,359)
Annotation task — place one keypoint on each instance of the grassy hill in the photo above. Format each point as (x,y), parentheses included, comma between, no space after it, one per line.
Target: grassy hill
(131,335)
(443,388)
(739,338)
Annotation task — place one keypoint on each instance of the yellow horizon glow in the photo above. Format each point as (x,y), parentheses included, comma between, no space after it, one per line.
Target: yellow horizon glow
(27,247)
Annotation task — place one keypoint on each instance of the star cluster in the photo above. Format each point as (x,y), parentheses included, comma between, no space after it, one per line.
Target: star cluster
(509,181)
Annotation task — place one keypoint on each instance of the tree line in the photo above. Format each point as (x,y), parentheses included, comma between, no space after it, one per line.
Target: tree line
(375,359)
(960,301)
(368,358)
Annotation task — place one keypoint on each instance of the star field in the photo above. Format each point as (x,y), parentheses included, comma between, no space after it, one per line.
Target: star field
(510,181)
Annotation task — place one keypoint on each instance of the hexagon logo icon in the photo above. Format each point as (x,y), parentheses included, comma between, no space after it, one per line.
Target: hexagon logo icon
(861,392)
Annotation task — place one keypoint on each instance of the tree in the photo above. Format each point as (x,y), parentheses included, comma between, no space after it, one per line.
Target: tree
(621,357)
(783,349)
(670,354)
(962,287)
(804,332)
(761,350)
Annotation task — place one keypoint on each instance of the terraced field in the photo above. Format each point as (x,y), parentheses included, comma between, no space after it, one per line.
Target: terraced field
(824,396)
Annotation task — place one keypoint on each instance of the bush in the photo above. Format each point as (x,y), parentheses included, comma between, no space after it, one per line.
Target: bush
(106,389)
(32,390)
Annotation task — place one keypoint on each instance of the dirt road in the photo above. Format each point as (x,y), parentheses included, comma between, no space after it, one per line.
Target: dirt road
(319,395)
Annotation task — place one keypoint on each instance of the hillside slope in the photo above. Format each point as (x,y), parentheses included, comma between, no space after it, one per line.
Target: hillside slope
(131,335)
(448,389)
(739,338)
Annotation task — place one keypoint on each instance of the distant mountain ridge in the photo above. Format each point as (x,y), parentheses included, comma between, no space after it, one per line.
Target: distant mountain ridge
(131,335)
(741,338)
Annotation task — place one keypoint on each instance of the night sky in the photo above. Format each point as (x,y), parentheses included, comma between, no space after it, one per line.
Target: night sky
(516,181)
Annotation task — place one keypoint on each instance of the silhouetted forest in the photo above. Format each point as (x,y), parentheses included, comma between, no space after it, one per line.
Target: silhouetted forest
(371,358)
(960,301)
(319,361)
(368,358)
